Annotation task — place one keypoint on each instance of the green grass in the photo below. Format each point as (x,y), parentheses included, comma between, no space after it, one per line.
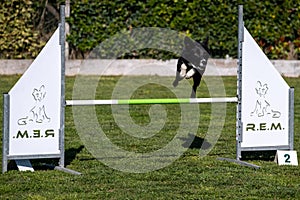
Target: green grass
(189,177)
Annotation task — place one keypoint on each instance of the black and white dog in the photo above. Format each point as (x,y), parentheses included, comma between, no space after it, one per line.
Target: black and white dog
(192,63)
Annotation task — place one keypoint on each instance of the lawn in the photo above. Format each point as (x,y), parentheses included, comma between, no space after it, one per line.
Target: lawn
(189,177)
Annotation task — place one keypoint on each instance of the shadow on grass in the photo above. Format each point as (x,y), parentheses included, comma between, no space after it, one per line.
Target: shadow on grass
(70,154)
(197,142)
(49,163)
(259,155)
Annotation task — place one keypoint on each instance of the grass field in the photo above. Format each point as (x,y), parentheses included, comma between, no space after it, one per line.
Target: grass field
(189,177)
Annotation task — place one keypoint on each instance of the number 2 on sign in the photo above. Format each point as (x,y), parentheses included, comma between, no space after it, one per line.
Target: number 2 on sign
(287,158)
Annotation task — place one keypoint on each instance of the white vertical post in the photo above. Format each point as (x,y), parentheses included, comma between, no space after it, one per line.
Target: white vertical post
(62,107)
(291,118)
(5,129)
(67,28)
(239,124)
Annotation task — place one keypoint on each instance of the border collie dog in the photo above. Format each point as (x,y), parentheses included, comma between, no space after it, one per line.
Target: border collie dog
(192,63)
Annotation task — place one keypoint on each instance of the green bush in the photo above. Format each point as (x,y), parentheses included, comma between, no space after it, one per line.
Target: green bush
(274,24)
(25,26)
(18,39)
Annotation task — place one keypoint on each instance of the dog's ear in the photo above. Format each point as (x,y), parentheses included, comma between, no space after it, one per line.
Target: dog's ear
(205,44)
(188,42)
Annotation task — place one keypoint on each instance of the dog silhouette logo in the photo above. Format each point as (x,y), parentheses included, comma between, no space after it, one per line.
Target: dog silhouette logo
(262,105)
(37,114)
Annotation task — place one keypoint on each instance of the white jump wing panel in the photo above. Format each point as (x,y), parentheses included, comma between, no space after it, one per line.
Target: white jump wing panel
(35,102)
(265,99)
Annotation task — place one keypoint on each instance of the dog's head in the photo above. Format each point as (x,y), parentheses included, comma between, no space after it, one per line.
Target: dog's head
(196,52)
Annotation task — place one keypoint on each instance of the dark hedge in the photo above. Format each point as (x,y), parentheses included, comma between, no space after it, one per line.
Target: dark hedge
(275,24)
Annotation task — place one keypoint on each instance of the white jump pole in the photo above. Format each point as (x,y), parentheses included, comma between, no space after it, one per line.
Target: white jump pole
(151,101)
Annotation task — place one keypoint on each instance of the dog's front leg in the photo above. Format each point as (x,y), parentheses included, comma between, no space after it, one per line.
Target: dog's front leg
(180,72)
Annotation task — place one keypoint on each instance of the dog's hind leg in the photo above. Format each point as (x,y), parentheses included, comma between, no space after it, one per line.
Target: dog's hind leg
(196,78)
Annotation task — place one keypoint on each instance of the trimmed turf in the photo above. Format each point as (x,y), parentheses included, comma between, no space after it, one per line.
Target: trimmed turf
(189,177)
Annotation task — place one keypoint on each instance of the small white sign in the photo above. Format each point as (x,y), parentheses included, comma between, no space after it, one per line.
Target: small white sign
(286,157)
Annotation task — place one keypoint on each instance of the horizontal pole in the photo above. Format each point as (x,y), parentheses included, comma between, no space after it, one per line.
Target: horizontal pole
(151,101)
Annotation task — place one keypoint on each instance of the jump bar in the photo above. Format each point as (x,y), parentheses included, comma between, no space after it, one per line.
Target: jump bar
(151,101)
